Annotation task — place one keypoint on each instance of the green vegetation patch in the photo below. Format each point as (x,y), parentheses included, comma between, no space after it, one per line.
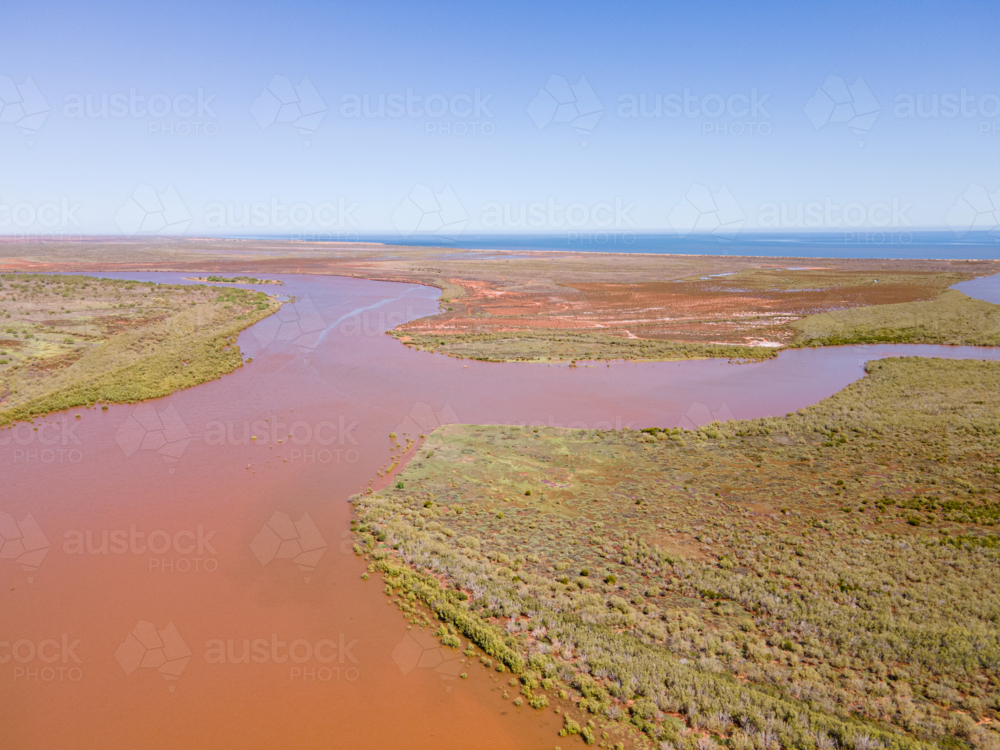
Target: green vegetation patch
(69,341)
(951,318)
(237,280)
(838,280)
(824,579)
(547,345)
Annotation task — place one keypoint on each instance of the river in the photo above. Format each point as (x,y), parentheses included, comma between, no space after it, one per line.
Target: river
(171,582)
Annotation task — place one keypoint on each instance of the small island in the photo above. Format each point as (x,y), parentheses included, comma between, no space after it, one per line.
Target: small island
(234,280)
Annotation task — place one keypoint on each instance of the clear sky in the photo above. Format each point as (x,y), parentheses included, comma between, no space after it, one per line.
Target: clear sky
(697,116)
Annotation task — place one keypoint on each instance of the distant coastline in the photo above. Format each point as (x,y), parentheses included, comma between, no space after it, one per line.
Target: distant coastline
(860,242)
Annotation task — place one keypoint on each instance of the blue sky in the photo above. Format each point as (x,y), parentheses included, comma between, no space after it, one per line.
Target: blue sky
(798,162)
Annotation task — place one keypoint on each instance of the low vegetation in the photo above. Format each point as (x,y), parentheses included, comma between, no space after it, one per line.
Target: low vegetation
(236,280)
(951,318)
(745,315)
(568,346)
(826,579)
(74,340)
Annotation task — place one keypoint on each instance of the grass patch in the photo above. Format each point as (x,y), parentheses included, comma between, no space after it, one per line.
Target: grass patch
(564,346)
(74,340)
(951,318)
(756,581)
(236,280)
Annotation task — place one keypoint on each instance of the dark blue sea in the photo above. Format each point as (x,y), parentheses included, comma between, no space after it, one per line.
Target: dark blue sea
(859,243)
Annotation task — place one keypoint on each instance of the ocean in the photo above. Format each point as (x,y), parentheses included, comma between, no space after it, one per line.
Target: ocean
(860,243)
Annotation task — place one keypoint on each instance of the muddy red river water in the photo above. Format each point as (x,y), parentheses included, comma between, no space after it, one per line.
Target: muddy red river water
(179,574)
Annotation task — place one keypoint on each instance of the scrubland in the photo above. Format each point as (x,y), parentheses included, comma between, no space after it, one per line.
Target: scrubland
(68,341)
(825,579)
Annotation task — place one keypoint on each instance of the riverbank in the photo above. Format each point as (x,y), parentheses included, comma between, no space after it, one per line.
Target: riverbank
(792,577)
(549,306)
(325,388)
(79,341)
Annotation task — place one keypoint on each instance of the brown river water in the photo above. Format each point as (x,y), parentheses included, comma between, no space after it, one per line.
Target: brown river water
(168,582)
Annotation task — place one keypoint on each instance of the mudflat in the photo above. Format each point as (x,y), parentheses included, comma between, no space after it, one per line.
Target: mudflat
(566,306)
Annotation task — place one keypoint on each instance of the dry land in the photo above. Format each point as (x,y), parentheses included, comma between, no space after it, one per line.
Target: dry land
(827,579)
(75,340)
(566,306)
(951,318)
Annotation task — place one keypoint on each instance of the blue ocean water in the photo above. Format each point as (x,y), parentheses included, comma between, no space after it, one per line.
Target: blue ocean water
(858,243)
